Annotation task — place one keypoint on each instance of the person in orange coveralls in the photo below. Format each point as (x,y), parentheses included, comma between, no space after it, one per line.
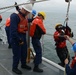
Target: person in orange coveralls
(37,29)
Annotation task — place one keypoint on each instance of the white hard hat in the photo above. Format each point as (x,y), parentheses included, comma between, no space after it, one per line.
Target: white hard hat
(28,7)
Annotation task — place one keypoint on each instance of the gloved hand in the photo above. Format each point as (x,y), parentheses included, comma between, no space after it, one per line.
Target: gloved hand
(15,3)
(72,35)
(17,7)
(21,42)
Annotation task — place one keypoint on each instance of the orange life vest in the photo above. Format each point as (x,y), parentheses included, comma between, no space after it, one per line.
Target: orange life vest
(23,24)
(59,43)
(73,62)
(39,22)
(7,22)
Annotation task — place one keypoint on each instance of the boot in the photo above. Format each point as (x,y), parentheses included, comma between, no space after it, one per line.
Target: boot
(17,71)
(9,46)
(37,69)
(26,67)
(0,39)
(61,64)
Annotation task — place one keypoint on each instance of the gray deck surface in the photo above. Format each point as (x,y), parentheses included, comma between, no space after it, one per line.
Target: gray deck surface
(6,64)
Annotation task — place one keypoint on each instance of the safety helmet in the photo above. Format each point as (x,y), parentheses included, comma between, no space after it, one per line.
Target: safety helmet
(28,7)
(42,14)
(34,12)
(60,26)
(74,47)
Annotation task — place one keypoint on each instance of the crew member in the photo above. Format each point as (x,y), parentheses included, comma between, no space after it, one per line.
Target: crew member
(60,43)
(71,70)
(33,16)
(37,29)
(7,29)
(18,28)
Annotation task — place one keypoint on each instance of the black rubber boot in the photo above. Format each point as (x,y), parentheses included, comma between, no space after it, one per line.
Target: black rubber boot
(61,64)
(17,71)
(26,67)
(9,46)
(37,69)
(0,39)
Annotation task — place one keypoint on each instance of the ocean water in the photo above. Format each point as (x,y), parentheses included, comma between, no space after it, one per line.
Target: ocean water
(47,41)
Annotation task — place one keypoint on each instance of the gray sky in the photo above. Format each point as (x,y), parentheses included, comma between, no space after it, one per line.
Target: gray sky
(50,5)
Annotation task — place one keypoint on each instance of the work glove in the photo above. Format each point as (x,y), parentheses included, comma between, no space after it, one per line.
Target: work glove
(69,31)
(17,7)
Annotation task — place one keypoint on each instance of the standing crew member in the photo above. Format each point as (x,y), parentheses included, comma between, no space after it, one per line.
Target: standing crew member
(18,28)
(37,29)
(71,70)
(60,43)
(7,29)
(33,16)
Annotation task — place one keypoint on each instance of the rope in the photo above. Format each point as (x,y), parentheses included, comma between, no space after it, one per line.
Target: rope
(42,42)
(66,21)
(67,15)
(22,4)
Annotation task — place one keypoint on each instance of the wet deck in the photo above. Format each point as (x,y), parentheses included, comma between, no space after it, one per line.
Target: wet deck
(6,64)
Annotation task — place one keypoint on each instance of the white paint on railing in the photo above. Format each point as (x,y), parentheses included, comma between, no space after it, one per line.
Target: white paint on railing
(53,64)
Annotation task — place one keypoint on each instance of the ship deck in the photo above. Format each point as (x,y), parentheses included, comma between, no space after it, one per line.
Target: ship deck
(6,64)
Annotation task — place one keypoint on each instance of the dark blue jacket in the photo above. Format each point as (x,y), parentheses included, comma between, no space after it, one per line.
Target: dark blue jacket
(30,20)
(70,71)
(14,26)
